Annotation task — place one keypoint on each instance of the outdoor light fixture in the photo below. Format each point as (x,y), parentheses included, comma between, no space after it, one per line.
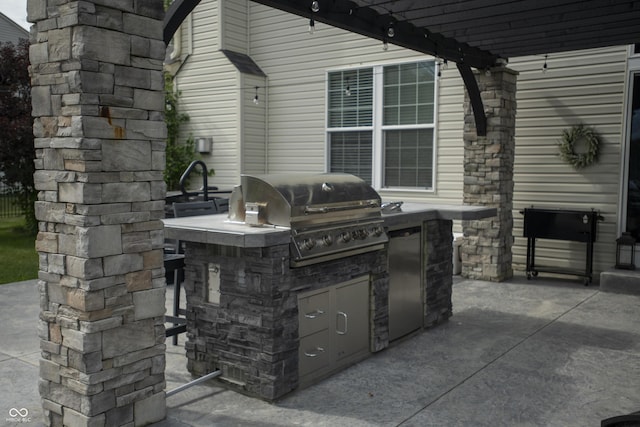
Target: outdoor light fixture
(544,66)
(625,252)
(255,98)
(391,32)
(315,8)
(203,145)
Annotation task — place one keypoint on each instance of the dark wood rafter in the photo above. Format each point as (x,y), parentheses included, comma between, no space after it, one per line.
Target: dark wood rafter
(474,98)
(174,16)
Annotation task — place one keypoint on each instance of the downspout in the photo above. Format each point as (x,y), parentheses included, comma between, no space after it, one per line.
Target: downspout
(177,45)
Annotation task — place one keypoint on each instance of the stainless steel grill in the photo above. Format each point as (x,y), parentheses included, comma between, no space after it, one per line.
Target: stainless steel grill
(329,215)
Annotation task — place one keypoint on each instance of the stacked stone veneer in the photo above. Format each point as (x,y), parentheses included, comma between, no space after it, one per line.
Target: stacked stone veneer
(98,102)
(252,335)
(488,178)
(438,243)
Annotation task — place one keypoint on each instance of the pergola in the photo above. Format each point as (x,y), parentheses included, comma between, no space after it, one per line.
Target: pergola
(472,33)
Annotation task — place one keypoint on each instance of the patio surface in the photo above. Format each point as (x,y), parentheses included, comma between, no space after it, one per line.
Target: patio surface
(545,352)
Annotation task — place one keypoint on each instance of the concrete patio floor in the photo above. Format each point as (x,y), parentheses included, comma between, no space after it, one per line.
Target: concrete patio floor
(545,352)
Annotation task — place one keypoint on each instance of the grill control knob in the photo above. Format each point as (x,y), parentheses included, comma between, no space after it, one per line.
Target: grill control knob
(327,240)
(345,237)
(360,234)
(308,244)
(378,231)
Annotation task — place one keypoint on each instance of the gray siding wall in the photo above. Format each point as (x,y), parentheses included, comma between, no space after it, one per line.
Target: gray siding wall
(233,25)
(10,31)
(253,125)
(211,93)
(585,87)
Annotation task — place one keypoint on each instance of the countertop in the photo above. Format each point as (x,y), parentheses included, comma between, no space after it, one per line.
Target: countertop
(217,229)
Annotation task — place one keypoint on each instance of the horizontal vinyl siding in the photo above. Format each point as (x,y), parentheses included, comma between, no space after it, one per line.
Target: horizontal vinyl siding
(579,87)
(234,25)
(210,95)
(297,63)
(11,32)
(253,125)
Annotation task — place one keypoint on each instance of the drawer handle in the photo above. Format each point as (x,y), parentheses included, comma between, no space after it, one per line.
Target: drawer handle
(318,349)
(314,314)
(346,322)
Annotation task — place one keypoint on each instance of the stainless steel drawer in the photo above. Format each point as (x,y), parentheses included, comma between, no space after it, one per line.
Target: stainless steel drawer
(314,313)
(314,353)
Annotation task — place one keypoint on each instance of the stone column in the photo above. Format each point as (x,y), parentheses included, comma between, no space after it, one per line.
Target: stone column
(488,178)
(100,137)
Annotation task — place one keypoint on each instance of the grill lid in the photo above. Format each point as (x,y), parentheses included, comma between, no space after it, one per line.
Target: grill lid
(280,199)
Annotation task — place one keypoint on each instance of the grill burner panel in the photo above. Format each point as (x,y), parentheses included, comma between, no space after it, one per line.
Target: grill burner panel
(330,215)
(330,243)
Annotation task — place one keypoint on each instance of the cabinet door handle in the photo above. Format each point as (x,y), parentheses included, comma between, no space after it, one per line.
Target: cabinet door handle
(318,349)
(314,314)
(346,323)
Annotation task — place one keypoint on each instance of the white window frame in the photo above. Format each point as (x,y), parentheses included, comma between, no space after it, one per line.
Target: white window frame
(378,128)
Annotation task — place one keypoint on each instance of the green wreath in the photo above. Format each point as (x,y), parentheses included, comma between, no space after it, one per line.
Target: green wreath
(567,146)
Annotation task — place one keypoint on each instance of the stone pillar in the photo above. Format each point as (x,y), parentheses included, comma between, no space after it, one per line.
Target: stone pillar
(100,136)
(488,178)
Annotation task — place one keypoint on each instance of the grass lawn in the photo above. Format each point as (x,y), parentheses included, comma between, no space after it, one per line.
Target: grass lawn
(18,257)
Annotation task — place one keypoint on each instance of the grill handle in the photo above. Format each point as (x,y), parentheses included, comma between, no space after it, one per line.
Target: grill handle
(346,323)
(327,209)
(314,314)
(318,349)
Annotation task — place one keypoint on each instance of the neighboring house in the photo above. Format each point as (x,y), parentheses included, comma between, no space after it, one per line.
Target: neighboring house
(10,31)
(320,107)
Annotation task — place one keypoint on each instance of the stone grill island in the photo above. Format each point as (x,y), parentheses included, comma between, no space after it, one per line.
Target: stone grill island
(270,325)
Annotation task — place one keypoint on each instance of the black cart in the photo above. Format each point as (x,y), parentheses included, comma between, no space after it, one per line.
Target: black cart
(560,224)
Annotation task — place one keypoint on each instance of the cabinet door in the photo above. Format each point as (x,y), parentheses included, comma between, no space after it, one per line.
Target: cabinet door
(352,319)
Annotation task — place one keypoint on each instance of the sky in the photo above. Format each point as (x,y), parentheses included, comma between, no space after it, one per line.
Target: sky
(16,10)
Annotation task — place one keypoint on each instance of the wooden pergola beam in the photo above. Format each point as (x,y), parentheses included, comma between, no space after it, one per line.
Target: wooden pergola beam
(174,16)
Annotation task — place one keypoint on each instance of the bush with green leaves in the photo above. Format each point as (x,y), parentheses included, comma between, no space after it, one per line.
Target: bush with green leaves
(178,154)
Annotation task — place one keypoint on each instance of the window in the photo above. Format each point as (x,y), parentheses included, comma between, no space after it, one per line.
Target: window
(381,124)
